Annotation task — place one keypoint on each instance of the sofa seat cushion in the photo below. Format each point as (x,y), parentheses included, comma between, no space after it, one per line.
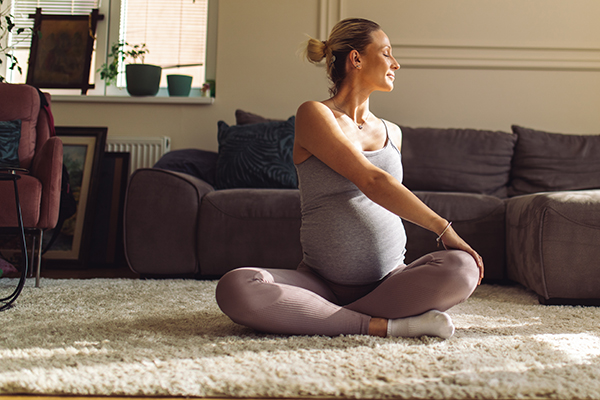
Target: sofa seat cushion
(552,243)
(545,162)
(255,203)
(457,160)
(249,227)
(477,218)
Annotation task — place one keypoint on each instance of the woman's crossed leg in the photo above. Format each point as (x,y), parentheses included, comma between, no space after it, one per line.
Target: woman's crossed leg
(300,302)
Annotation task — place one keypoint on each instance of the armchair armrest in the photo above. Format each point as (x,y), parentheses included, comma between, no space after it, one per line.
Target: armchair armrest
(162,210)
(47,167)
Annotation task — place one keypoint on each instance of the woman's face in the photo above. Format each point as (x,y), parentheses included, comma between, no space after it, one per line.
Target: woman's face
(378,64)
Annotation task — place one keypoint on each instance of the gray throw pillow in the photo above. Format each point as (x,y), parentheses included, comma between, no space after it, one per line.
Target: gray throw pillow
(457,160)
(10,135)
(547,162)
(256,156)
(245,118)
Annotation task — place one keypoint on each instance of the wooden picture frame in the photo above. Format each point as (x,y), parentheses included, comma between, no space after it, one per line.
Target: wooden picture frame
(83,150)
(61,50)
(107,246)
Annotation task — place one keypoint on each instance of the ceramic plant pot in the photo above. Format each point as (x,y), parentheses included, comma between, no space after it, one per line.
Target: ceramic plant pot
(142,79)
(179,85)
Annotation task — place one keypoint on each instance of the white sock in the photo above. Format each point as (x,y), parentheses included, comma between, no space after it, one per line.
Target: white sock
(431,323)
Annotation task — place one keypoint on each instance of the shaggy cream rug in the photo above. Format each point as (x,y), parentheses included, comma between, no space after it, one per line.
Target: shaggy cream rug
(168,338)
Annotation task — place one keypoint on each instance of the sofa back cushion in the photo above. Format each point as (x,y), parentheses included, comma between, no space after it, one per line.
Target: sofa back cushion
(547,162)
(457,160)
(256,156)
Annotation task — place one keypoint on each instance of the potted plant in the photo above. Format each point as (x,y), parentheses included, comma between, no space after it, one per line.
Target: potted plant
(142,79)
(7,26)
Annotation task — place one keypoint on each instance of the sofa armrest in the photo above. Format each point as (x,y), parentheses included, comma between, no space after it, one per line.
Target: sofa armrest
(47,167)
(162,210)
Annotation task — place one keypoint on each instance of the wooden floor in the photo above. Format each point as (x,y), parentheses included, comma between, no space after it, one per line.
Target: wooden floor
(35,397)
(27,397)
(89,273)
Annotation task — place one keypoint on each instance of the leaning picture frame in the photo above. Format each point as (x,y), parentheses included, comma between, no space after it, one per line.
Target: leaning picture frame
(83,149)
(107,248)
(61,50)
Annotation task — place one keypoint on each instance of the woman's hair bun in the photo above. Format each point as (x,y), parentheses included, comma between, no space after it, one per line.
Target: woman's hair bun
(315,50)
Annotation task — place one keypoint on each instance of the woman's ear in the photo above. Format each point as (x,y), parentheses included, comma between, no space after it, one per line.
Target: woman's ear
(355,60)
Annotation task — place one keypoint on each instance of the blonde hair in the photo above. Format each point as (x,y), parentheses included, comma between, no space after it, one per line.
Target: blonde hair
(347,35)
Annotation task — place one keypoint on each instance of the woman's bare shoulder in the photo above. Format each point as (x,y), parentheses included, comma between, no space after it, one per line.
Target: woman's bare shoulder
(312,107)
(314,117)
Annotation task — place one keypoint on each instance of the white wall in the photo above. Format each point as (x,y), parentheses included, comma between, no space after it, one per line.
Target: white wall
(466,63)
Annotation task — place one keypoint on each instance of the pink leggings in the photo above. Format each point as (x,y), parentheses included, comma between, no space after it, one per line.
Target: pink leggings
(300,302)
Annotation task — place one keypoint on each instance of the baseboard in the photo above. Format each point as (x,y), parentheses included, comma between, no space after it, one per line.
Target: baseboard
(569,302)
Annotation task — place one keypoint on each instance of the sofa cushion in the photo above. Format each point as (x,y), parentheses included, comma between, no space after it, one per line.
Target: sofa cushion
(457,160)
(249,227)
(199,163)
(478,218)
(545,162)
(552,244)
(245,118)
(256,156)
(10,135)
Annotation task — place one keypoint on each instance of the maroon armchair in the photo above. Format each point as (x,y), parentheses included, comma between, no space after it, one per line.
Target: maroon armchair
(42,156)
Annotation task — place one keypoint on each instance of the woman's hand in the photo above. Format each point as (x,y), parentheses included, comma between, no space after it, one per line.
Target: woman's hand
(451,240)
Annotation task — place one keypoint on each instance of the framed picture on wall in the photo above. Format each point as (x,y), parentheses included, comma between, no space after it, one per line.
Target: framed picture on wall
(83,150)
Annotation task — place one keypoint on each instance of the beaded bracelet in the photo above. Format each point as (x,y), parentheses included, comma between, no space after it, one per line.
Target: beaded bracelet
(439,238)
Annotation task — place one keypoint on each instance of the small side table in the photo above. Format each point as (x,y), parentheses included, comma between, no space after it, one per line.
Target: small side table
(10,174)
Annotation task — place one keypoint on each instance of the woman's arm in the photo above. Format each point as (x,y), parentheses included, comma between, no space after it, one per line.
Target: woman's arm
(318,133)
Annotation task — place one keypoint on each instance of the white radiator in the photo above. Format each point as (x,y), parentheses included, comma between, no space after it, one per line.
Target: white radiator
(144,152)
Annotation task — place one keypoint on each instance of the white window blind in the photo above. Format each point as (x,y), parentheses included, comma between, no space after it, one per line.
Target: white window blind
(22,8)
(174,32)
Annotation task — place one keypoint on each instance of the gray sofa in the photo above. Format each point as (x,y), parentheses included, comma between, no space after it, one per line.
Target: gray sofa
(527,201)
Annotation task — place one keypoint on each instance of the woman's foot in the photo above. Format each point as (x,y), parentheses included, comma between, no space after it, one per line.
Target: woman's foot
(431,323)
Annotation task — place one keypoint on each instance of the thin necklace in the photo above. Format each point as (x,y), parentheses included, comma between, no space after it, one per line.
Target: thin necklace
(360,126)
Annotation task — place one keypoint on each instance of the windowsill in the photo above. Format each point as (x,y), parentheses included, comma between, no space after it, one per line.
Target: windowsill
(133,99)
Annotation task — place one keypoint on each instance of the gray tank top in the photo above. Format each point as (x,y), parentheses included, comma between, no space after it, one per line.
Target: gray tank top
(346,237)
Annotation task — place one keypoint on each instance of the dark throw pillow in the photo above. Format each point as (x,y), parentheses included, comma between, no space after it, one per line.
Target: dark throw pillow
(199,163)
(10,135)
(246,118)
(457,160)
(256,156)
(546,162)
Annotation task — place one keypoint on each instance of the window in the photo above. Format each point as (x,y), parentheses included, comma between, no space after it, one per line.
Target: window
(174,31)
